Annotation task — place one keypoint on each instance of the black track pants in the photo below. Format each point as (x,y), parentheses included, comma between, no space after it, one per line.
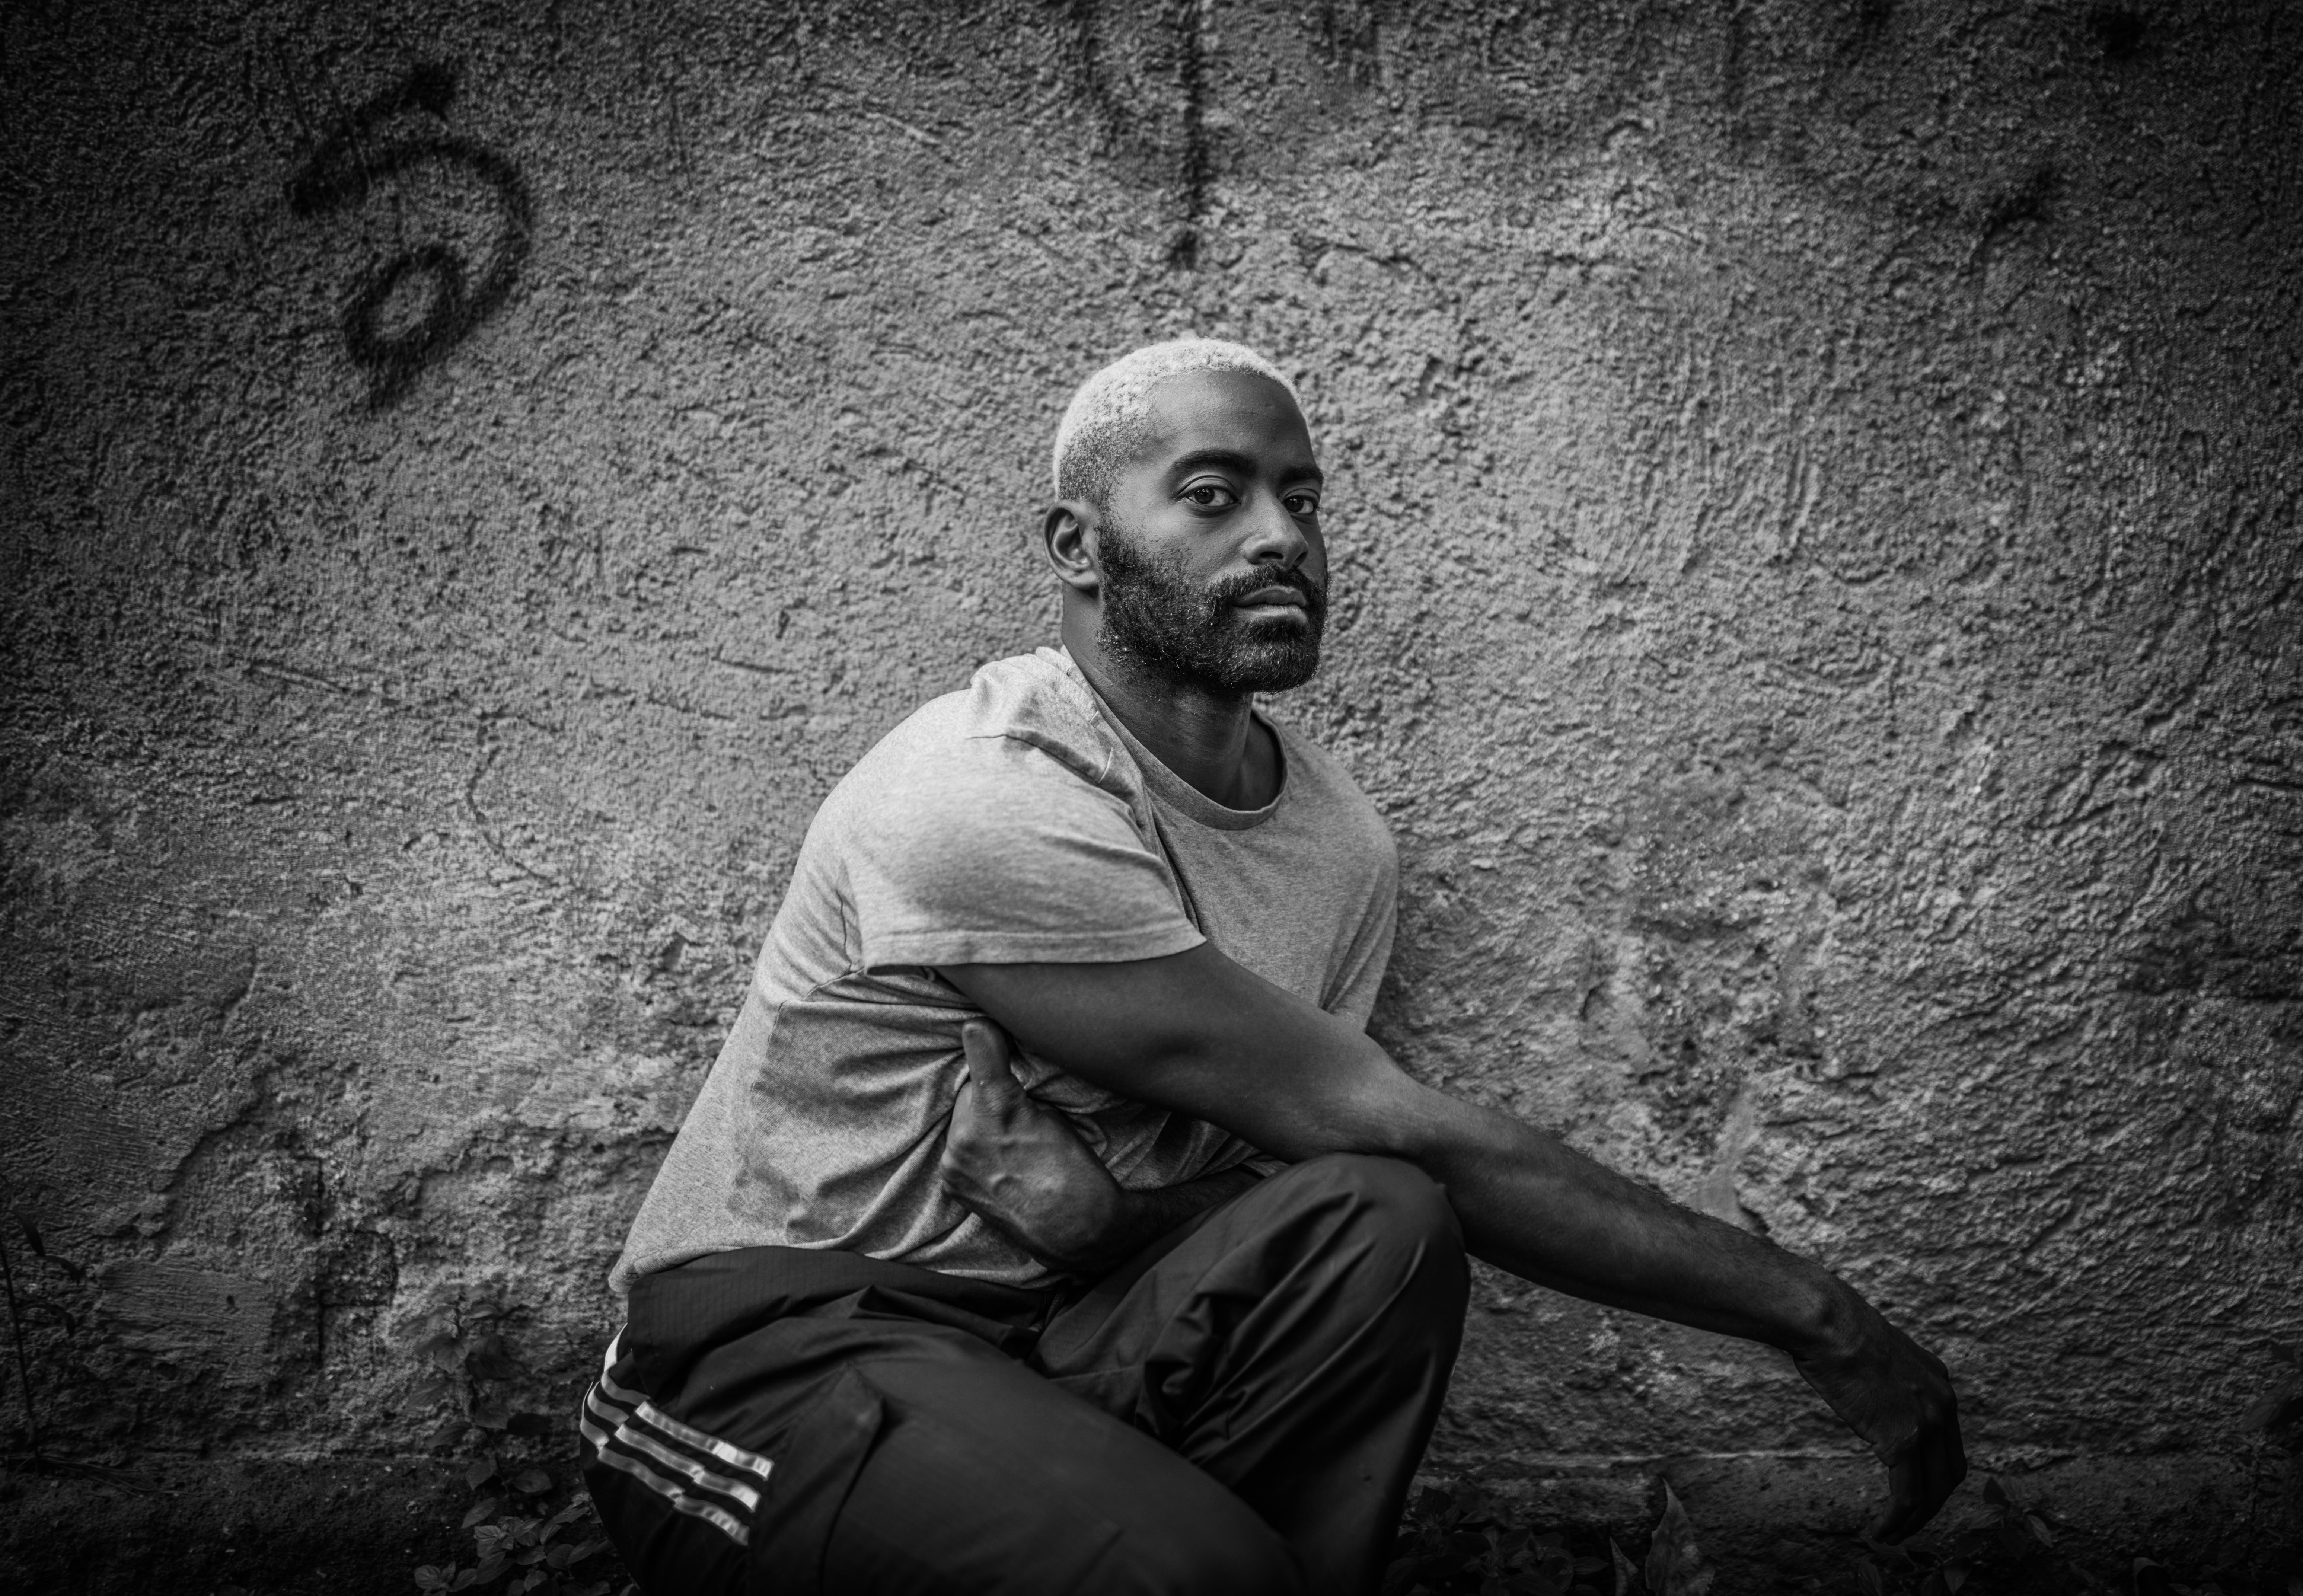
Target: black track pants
(1236,1412)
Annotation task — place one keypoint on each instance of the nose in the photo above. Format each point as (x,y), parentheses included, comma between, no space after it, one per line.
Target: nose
(1274,537)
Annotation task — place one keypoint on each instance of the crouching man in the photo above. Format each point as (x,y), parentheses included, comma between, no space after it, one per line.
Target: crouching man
(1162,1296)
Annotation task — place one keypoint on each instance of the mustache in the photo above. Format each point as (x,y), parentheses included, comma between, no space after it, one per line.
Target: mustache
(1232,589)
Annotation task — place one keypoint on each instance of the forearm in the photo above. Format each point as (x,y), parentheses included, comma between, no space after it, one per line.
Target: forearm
(1533,1205)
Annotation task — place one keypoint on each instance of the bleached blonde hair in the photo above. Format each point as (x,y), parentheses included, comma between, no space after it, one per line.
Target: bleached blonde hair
(1109,410)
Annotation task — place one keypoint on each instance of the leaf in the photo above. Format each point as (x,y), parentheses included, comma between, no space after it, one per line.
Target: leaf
(482,1511)
(489,1414)
(433,1388)
(2039,1530)
(443,1352)
(490,1359)
(428,1577)
(1627,1578)
(481,1469)
(447,1433)
(1869,1579)
(566,1516)
(534,1424)
(535,1481)
(1675,1566)
(1995,1492)
(1952,1578)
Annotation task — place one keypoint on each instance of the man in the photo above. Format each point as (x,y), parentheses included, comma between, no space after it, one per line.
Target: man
(1166,1301)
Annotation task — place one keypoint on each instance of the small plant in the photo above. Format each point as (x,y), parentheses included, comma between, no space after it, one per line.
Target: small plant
(523,1548)
(516,1533)
(1461,1539)
(1675,1568)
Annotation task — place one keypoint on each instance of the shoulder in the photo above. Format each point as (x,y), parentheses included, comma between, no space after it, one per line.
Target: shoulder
(1023,732)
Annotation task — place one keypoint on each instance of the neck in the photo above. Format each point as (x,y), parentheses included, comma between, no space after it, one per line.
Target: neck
(1210,739)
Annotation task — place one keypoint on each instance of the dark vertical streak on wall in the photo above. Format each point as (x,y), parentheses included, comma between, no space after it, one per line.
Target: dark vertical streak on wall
(1192,19)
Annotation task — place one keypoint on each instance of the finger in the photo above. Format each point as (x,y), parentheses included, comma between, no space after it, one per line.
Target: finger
(1897,1519)
(990,1067)
(1918,1486)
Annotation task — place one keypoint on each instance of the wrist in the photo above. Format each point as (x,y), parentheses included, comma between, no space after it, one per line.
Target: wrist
(1826,1319)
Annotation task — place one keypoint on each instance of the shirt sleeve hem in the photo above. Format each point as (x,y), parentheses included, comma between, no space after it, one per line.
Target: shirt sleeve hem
(1010,947)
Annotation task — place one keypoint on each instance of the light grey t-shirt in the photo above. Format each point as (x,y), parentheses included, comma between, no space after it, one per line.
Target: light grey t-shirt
(1014,823)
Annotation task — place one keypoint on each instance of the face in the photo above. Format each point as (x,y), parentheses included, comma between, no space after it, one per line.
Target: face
(1212,569)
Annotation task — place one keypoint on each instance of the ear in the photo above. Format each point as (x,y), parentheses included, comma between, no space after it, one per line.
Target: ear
(1069,532)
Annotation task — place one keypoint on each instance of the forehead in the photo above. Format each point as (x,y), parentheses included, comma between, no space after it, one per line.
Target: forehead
(1242,413)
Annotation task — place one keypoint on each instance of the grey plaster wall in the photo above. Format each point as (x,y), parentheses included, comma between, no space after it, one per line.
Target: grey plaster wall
(1815,508)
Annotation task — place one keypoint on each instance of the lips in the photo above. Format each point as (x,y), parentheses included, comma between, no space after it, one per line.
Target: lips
(1271,596)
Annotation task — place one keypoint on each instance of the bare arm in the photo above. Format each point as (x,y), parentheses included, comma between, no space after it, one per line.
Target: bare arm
(1197,1034)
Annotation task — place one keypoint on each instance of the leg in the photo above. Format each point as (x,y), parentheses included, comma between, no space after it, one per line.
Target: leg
(888,1455)
(989,1479)
(1295,1344)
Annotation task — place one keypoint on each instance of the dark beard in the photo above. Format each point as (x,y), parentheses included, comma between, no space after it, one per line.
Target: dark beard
(1155,619)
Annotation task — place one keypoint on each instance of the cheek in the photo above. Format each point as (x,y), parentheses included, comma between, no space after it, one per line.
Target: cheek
(1183,546)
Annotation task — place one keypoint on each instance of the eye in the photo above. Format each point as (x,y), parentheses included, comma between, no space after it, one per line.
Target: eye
(1303,503)
(1209,495)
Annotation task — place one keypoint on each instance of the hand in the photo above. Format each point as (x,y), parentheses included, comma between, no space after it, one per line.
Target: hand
(1896,1395)
(1021,1167)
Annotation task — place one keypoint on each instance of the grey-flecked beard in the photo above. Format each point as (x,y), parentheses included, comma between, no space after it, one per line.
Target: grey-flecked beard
(1157,621)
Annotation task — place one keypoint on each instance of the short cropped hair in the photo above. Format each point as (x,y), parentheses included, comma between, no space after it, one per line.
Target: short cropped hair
(1109,412)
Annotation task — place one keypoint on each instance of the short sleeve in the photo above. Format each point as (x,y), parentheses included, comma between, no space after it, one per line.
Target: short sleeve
(995,853)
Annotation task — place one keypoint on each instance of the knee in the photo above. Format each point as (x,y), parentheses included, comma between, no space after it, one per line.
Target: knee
(1394,1225)
(1391,1198)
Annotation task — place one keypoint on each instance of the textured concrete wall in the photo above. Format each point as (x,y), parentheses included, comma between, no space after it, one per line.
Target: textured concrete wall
(1815,502)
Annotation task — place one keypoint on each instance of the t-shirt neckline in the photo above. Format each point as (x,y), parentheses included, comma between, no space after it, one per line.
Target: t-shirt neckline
(1171,788)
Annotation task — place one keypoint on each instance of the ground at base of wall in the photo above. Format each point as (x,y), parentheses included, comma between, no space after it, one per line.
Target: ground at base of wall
(2209,1524)
(265,1526)
(272,1526)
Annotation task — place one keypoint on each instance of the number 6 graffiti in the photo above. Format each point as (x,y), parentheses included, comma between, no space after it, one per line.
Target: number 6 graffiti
(340,175)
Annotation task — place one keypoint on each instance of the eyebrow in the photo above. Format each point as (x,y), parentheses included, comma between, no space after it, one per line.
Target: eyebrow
(1234,460)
